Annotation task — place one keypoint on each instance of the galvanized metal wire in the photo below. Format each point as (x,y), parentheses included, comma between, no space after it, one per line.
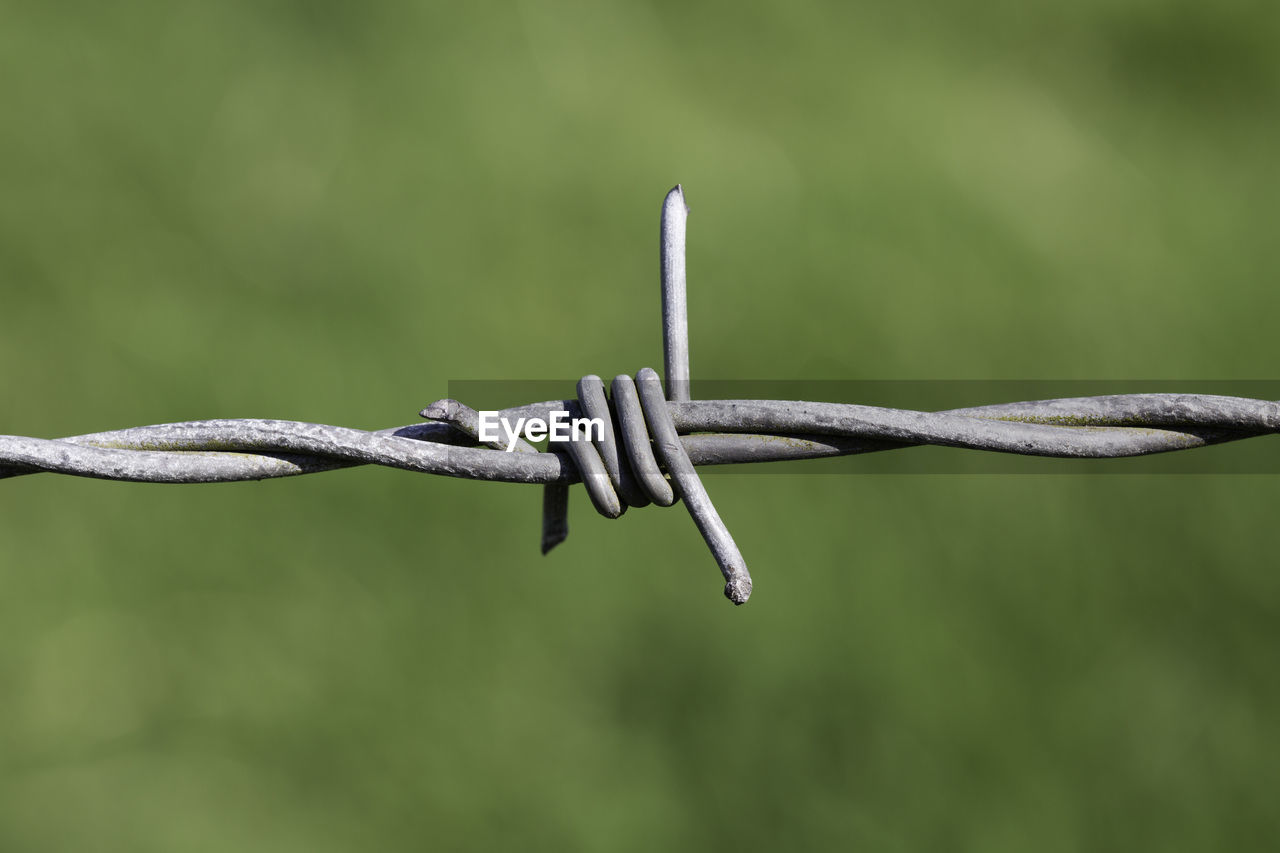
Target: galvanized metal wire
(712,432)
(649,433)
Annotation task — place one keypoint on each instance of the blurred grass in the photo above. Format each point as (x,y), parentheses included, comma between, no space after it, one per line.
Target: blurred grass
(327,211)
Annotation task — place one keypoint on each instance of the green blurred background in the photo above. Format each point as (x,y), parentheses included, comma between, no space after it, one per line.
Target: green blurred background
(327,211)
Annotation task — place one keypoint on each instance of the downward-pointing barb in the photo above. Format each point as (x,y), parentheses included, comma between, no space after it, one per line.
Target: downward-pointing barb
(667,443)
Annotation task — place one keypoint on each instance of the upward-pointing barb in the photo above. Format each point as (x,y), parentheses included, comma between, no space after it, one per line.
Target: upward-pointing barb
(675,309)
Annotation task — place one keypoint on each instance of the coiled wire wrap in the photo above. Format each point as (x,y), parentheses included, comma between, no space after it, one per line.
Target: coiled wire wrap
(620,468)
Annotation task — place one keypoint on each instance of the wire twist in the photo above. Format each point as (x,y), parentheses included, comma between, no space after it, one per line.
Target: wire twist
(619,468)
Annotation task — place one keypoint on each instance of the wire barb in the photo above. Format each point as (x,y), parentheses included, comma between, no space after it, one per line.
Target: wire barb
(737,586)
(675,303)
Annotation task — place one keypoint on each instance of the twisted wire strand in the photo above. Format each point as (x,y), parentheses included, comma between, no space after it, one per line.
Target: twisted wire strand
(729,431)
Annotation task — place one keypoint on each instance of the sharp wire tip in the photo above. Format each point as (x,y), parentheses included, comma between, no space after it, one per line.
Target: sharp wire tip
(738,590)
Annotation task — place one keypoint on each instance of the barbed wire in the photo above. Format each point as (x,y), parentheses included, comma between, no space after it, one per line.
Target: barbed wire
(645,432)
